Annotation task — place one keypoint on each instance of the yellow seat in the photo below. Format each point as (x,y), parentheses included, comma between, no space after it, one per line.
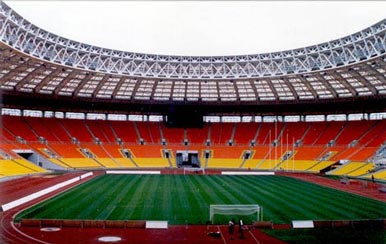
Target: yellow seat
(224,163)
(347,169)
(81,162)
(18,167)
(152,162)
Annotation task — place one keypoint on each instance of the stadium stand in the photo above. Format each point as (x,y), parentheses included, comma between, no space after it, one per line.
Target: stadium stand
(352,169)
(77,128)
(12,167)
(198,135)
(40,126)
(245,133)
(331,131)
(100,130)
(149,132)
(380,174)
(125,131)
(18,128)
(306,154)
(314,132)
(55,128)
(376,136)
(173,135)
(353,131)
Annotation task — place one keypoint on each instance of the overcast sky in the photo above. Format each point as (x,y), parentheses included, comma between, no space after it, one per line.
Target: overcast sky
(201,28)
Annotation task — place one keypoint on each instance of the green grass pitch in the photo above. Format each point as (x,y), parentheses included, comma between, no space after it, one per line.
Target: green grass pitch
(185,199)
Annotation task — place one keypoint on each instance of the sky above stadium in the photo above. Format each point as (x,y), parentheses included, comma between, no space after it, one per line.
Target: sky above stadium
(201,27)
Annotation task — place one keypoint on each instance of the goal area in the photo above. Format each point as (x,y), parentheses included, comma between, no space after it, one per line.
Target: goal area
(232,210)
(191,171)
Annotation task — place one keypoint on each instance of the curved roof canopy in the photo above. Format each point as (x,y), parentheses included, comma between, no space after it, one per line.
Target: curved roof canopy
(36,62)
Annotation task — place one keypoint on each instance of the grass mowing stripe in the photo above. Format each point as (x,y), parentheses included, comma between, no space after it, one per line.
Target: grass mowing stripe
(166,193)
(137,199)
(353,209)
(123,207)
(200,208)
(353,204)
(184,199)
(274,206)
(155,200)
(181,204)
(235,190)
(311,210)
(43,210)
(88,205)
(303,207)
(319,212)
(217,193)
(91,205)
(115,195)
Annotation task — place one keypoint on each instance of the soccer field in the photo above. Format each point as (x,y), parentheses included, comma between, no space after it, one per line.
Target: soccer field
(185,199)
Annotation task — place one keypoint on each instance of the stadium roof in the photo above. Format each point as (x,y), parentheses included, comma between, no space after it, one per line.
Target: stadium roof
(37,66)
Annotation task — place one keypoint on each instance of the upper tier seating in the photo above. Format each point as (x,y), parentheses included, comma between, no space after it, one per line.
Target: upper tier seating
(269,132)
(314,132)
(376,135)
(331,131)
(77,129)
(293,132)
(101,130)
(17,127)
(173,135)
(149,132)
(353,131)
(198,135)
(125,131)
(245,133)
(40,126)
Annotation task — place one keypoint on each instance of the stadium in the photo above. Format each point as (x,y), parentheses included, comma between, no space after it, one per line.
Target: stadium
(100,145)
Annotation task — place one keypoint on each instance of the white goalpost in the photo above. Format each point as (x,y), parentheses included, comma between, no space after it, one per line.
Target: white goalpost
(251,209)
(194,170)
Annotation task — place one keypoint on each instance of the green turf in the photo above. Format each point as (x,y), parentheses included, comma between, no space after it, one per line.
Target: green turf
(330,236)
(182,199)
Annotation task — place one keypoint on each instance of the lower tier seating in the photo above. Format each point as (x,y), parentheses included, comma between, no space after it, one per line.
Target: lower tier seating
(224,163)
(81,162)
(352,169)
(151,162)
(14,167)
(379,175)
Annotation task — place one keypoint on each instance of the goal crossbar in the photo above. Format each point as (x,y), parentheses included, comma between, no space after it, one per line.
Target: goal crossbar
(235,209)
(186,169)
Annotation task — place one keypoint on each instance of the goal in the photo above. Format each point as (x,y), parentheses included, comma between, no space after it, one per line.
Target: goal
(191,171)
(231,210)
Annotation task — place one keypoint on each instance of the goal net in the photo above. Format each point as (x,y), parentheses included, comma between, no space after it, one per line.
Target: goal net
(253,210)
(191,171)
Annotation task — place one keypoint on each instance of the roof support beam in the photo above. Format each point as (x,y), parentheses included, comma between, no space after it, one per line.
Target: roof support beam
(47,79)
